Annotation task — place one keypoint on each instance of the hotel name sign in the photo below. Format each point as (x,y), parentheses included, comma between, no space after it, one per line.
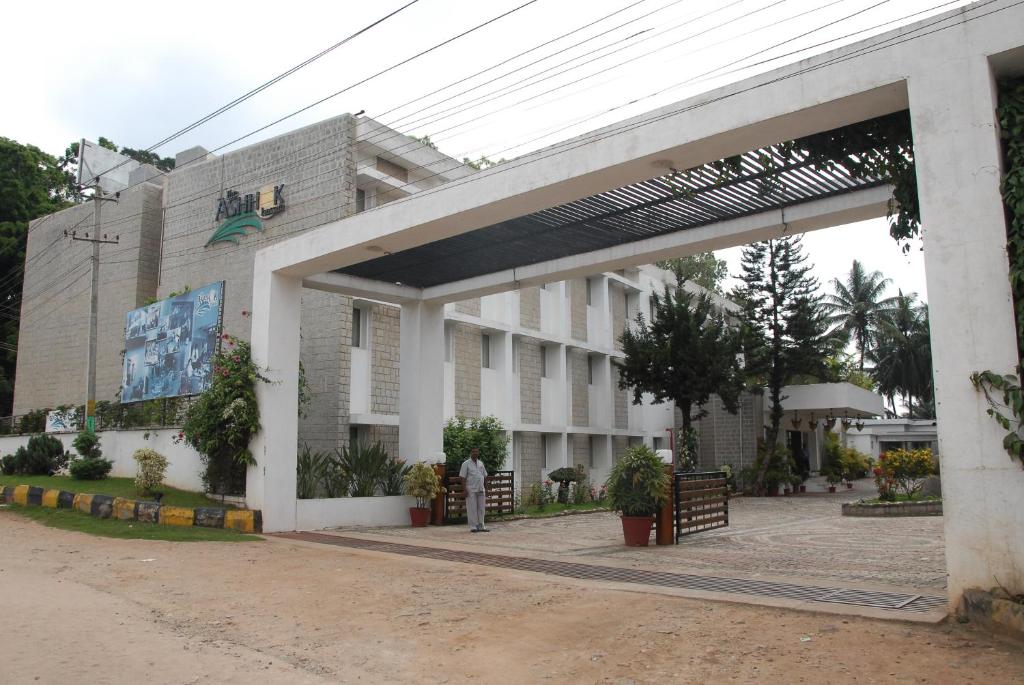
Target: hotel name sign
(237,213)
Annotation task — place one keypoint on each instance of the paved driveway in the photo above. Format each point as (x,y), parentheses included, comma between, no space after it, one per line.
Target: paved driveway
(800,537)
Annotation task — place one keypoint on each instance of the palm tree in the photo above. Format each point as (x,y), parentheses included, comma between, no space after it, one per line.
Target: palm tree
(902,356)
(857,306)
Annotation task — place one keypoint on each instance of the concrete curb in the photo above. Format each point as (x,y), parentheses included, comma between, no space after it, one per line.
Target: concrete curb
(105,506)
(926,508)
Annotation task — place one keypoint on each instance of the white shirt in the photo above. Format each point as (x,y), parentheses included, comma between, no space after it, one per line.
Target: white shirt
(473,474)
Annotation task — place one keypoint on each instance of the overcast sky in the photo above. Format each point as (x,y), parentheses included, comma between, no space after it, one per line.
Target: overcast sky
(137,72)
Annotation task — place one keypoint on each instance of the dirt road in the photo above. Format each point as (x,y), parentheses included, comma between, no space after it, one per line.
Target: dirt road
(80,608)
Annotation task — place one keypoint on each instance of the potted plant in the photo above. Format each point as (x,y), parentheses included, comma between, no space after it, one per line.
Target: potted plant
(833,476)
(797,481)
(563,477)
(424,484)
(637,486)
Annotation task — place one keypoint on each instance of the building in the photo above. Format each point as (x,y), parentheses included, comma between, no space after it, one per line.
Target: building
(540,358)
(881,435)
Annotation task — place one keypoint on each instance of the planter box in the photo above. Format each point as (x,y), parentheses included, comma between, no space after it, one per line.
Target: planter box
(929,508)
(314,514)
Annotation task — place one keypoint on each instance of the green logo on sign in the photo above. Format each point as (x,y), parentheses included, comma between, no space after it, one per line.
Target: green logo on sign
(240,213)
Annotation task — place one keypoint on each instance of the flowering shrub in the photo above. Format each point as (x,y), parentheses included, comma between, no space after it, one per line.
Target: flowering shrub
(540,495)
(902,471)
(152,466)
(422,483)
(223,420)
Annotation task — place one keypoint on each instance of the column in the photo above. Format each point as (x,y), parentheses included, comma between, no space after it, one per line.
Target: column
(421,381)
(956,141)
(270,484)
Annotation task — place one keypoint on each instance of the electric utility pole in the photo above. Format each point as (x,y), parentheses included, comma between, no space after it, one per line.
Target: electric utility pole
(94,298)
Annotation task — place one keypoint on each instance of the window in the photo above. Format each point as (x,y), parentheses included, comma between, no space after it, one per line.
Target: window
(591,447)
(590,293)
(544,449)
(485,351)
(543,361)
(515,355)
(353,436)
(659,444)
(360,200)
(590,369)
(357,326)
(447,343)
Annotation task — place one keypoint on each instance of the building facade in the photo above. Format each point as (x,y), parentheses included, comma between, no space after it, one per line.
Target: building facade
(540,359)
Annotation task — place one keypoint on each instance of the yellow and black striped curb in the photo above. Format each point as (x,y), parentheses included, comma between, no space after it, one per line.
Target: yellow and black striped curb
(105,506)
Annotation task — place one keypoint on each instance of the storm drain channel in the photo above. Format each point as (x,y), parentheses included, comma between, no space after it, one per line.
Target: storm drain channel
(893,601)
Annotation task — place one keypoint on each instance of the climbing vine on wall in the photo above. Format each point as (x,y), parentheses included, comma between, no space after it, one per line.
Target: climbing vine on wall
(880,148)
(1004,392)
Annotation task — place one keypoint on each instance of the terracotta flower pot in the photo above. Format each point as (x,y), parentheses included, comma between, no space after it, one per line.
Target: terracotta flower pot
(637,530)
(803,488)
(419,517)
(787,492)
(831,488)
(849,486)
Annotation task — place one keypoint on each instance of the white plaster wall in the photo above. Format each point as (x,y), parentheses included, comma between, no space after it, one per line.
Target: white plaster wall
(359,401)
(315,514)
(184,463)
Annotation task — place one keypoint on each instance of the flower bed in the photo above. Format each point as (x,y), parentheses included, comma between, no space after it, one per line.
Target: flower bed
(930,507)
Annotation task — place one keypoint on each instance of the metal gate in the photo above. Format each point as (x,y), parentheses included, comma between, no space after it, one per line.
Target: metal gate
(500,495)
(701,502)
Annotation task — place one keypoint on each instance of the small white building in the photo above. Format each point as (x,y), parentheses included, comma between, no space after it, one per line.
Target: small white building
(882,435)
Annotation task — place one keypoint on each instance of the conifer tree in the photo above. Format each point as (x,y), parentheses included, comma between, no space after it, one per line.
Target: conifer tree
(785,333)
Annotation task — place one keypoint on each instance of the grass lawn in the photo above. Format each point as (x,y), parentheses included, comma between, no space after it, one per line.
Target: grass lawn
(68,519)
(534,511)
(115,487)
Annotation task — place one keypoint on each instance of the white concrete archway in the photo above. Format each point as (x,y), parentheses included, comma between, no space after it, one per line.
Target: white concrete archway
(942,70)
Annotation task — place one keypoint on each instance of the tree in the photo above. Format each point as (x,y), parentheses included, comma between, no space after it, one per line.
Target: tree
(702,268)
(857,305)
(32,184)
(903,360)
(783,328)
(687,353)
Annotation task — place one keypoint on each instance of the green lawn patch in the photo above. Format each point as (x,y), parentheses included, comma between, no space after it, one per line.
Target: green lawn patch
(115,487)
(68,519)
(534,511)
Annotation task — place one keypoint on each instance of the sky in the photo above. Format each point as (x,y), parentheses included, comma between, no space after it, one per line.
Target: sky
(138,72)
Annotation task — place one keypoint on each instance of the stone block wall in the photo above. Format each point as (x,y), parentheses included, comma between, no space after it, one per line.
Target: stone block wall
(470,307)
(621,399)
(617,295)
(316,164)
(385,329)
(388,436)
(529,308)
(727,438)
(531,461)
(578,382)
(54,335)
(529,380)
(578,308)
(620,444)
(581,451)
(466,341)
(326,355)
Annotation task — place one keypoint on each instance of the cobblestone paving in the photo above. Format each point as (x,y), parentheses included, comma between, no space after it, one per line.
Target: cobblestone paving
(784,537)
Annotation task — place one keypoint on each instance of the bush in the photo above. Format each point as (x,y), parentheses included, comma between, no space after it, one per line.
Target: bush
(486,434)
(314,470)
(421,482)
(638,483)
(855,464)
(90,469)
(902,471)
(87,444)
(44,455)
(151,468)
(33,421)
(221,423)
(7,465)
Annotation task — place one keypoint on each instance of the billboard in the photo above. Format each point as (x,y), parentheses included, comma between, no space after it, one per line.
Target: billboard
(169,345)
(99,166)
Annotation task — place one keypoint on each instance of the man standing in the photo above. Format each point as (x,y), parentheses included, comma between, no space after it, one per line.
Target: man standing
(473,473)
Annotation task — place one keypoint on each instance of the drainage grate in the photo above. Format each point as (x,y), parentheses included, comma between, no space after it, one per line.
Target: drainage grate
(807,593)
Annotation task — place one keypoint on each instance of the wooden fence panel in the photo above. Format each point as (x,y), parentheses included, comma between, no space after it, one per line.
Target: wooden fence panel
(500,495)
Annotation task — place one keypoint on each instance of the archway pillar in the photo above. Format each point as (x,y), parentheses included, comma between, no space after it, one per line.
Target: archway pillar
(957,150)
